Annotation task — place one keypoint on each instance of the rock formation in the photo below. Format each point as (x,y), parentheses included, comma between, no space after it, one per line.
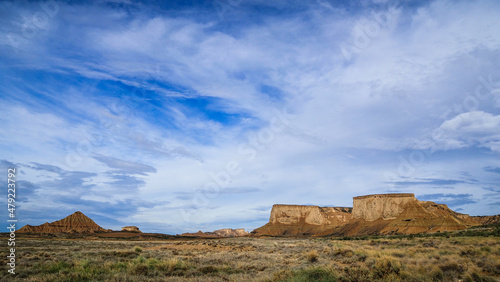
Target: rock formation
(74,223)
(293,220)
(131,229)
(385,206)
(371,214)
(227,232)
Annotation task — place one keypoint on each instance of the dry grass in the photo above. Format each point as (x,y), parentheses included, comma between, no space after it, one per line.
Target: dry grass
(258,259)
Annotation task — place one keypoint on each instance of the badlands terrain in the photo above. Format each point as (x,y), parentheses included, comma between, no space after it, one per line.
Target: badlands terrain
(468,255)
(370,215)
(383,237)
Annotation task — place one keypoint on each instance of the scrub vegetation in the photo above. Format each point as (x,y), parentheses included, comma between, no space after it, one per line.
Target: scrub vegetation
(443,257)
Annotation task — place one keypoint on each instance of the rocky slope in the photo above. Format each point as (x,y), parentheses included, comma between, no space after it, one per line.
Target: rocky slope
(131,229)
(74,223)
(226,232)
(371,214)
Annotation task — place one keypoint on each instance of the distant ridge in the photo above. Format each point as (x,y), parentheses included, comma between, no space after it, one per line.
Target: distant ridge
(74,223)
(224,233)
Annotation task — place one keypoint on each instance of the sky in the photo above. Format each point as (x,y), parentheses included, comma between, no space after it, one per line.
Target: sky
(179,116)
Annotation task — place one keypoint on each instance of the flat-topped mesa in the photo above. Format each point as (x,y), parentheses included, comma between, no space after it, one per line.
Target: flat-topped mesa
(299,220)
(226,232)
(314,215)
(131,229)
(384,206)
(371,214)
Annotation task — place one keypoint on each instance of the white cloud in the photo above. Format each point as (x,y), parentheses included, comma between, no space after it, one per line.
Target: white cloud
(390,96)
(470,129)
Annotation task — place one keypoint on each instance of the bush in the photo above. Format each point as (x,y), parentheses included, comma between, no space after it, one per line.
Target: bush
(282,275)
(208,269)
(386,267)
(173,266)
(437,274)
(314,274)
(137,249)
(356,273)
(138,269)
(312,256)
(452,270)
(344,252)
(486,249)
(58,267)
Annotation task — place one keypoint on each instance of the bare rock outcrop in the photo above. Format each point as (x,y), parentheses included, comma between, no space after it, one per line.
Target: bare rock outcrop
(384,206)
(74,223)
(485,220)
(225,233)
(228,232)
(370,215)
(131,229)
(314,215)
(293,220)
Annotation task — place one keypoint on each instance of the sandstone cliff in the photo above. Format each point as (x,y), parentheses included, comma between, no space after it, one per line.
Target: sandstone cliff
(371,214)
(295,220)
(384,206)
(226,232)
(74,223)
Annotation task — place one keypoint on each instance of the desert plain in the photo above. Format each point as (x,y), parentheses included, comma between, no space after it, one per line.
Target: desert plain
(466,255)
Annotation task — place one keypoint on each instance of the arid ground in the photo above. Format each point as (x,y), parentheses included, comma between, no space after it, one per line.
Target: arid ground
(441,257)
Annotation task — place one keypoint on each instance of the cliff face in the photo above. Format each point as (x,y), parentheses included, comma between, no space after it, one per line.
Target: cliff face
(314,215)
(226,232)
(74,223)
(296,220)
(384,206)
(370,215)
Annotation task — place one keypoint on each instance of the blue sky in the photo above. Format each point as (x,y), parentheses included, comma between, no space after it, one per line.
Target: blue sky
(180,116)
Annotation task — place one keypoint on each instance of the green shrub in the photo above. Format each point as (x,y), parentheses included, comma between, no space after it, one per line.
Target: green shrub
(208,269)
(486,249)
(314,274)
(58,267)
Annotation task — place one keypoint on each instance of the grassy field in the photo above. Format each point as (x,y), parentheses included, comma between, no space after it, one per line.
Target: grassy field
(258,259)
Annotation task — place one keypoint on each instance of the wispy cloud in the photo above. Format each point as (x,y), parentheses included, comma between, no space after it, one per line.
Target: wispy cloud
(125,166)
(492,169)
(435,182)
(104,108)
(452,200)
